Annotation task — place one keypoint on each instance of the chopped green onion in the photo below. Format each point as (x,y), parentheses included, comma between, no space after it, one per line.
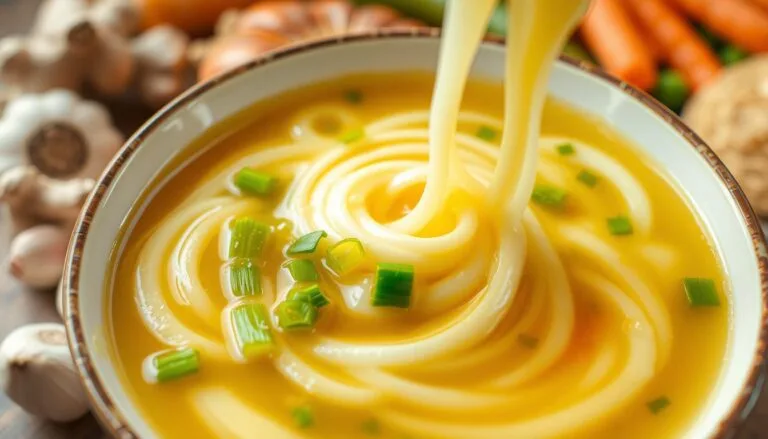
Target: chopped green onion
(352,136)
(250,325)
(671,90)
(302,270)
(658,404)
(353,96)
(549,196)
(248,238)
(296,314)
(619,225)
(527,340)
(307,243)
(311,294)
(394,283)
(371,427)
(244,277)
(701,291)
(587,178)
(731,54)
(486,133)
(171,365)
(255,182)
(566,149)
(303,416)
(346,255)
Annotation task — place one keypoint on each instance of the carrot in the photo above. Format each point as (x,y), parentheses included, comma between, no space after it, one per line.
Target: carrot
(739,21)
(610,35)
(682,47)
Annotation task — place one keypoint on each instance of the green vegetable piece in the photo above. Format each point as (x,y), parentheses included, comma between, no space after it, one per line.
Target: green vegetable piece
(255,182)
(307,243)
(658,404)
(174,364)
(528,341)
(549,196)
(252,334)
(671,90)
(296,314)
(619,226)
(353,96)
(310,294)
(303,416)
(244,278)
(303,270)
(587,178)
(248,238)
(345,256)
(701,292)
(352,136)
(731,54)
(566,149)
(394,283)
(486,133)
(371,427)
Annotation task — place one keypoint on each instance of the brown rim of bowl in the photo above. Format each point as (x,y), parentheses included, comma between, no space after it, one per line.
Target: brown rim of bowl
(101,401)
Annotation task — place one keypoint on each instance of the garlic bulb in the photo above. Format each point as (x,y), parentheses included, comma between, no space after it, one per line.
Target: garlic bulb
(37,372)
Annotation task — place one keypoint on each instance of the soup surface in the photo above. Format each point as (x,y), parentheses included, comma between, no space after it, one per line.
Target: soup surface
(598,338)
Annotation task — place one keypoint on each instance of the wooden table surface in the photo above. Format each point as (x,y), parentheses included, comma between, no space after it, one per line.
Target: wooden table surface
(19,305)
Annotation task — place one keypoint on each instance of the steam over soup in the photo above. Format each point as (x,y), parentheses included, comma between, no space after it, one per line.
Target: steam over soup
(367,258)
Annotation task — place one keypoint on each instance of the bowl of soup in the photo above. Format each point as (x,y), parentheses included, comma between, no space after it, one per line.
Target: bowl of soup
(335,241)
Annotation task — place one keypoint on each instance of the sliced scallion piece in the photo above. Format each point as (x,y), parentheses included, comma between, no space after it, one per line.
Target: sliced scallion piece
(302,270)
(307,243)
(303,416)
(248,238)
(394,283)
(371,427)
(296,314)
(549,196)
(352,136)
(620,226)
(528,341)
(346,255)
(486,133)
(701,291)
(658,404)
(171,365)
(255,182)
(353,96)
(243,277)
(250,326)
(587,178)
(566,149)
(310,294)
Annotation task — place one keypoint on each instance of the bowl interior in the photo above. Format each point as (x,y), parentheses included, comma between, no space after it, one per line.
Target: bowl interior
(725,214)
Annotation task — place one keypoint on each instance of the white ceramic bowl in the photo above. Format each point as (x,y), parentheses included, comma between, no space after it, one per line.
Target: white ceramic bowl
(693,167)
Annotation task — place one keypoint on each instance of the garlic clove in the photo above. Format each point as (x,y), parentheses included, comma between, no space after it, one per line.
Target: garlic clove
(37,256)
(38,374)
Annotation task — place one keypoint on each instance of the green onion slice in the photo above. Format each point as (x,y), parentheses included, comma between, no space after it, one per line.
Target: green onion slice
(353,96)
(171,365)
(310,294)
(255,182)
(250,328)
(302,270)
(307,243)
(296,314)
(345,256)
(701,292)
(528,341)
(658,404)
(394,283)
(587,178)
(620,226)
(248,238)
(242,278)
(549,196)
(303,416)
(566,149)
(371,427)
(352,136)
(486,133)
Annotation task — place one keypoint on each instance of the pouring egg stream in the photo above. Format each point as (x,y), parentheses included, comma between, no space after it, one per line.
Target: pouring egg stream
(350,261)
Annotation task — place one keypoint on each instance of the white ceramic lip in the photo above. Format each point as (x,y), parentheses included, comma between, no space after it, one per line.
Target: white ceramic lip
(720,202)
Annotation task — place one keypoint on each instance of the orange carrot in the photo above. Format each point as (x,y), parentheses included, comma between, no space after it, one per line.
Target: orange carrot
(682,47)
(610,35)
(741,22)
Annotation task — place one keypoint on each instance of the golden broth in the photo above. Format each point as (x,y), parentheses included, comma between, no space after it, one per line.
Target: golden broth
(699,334)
